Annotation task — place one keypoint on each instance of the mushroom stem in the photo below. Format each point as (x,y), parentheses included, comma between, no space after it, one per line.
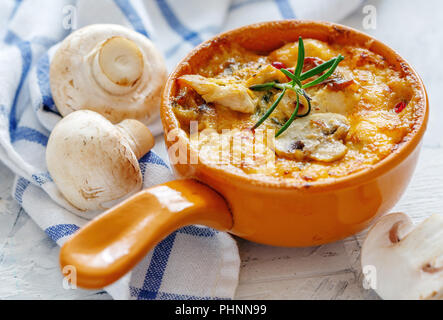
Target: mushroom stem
(121,61)
(118,65)
(138,136)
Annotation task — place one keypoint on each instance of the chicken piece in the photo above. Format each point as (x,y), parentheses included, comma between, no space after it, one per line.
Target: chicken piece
(316,137)
(226,92)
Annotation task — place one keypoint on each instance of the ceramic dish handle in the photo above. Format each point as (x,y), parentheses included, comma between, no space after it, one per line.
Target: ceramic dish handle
(113,243)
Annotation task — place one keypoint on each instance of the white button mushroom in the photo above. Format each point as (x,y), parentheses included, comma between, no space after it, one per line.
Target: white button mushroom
(403,262)
(318,136)
(93,162)
(111,70)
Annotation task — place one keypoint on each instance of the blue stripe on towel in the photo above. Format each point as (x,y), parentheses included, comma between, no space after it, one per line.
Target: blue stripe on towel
(22,185)
(42,178)
(196,231)
(15,9)
(44,84)
(29,134)
(136,292)
(45,41)
(61,230)
(131,14)
(173,50)
(173,21)
(285,9)
(156,269)
(239,5)
(151,157)
(26,53)
(171,296)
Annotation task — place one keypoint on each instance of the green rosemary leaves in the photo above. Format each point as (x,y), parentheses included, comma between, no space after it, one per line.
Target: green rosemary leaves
(296,84)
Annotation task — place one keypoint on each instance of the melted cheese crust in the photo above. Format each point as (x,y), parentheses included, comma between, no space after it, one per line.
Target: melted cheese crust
(368,103)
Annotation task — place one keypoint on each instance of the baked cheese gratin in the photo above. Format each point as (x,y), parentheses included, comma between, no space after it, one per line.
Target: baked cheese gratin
(355,118)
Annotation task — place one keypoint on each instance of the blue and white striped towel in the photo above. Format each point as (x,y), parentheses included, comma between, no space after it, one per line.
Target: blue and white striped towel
(193,263)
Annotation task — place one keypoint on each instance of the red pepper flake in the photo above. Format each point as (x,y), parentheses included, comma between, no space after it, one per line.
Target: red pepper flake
(400,107)
(278,65)
(312,62)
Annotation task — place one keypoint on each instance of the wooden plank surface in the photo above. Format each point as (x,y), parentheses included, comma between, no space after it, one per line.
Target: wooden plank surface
(29,259)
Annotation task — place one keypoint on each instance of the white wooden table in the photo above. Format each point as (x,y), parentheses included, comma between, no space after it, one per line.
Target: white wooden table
(29,259)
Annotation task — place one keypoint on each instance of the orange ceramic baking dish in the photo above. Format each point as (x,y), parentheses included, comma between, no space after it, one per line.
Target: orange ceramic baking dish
(273,213)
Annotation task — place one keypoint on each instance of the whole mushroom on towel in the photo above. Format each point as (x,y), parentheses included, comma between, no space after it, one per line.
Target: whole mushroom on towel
(95,163)
(111,70)
(407,261)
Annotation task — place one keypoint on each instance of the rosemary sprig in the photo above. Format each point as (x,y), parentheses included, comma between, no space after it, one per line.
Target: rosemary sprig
(270,110)
(318,69)
(291,119)
(326,75)
(300,59)
(296,85)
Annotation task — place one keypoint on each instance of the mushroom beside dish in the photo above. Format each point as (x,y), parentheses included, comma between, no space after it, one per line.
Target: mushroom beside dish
(95,163)
(111,70)
(403,261)
(103,75)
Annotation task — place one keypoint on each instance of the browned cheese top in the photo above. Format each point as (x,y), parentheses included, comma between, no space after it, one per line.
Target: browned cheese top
(359,116)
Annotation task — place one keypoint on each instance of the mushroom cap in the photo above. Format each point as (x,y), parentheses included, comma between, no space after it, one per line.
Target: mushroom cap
(408,261)
(111,70)
(93,162)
